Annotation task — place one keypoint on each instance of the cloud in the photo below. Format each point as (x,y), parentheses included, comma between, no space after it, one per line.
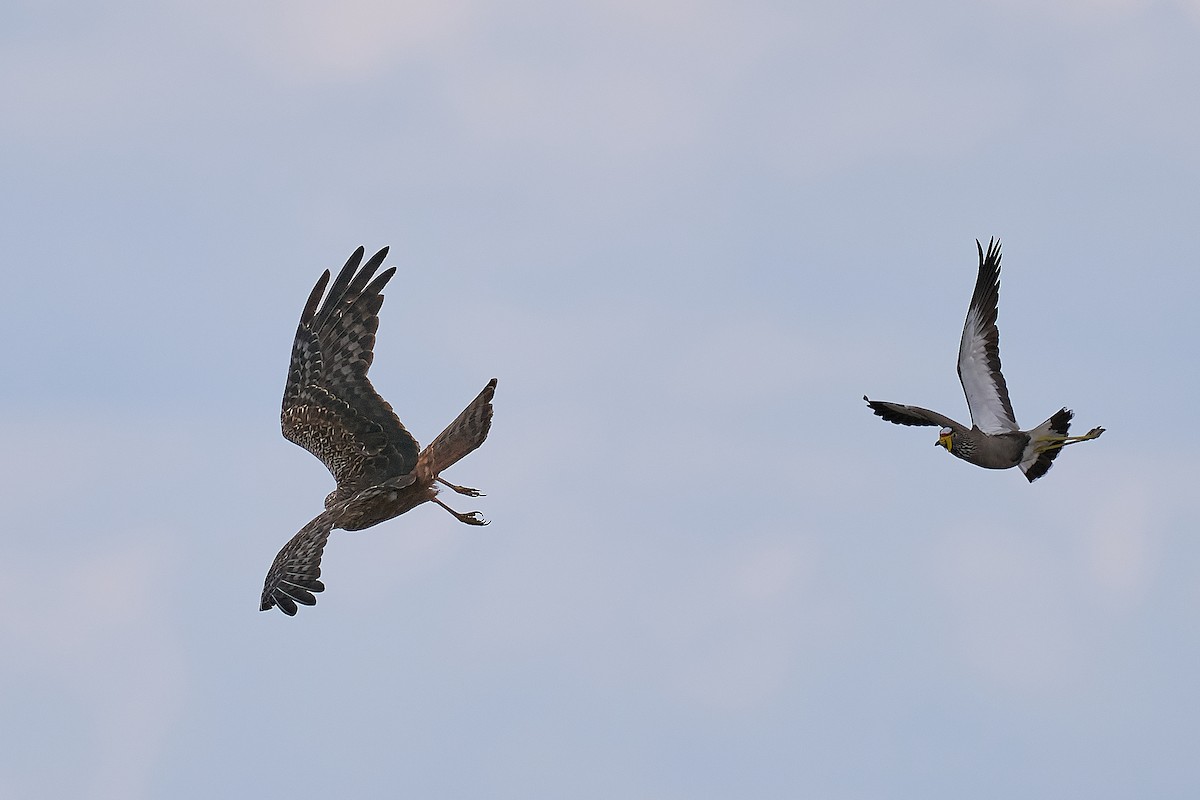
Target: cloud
(1122,544)
(315,42)
(96,628)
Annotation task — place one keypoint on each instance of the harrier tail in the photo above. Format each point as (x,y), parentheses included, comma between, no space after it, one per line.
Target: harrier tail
(462,436)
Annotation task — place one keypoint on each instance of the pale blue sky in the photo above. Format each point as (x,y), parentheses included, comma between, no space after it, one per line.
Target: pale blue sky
(687,238)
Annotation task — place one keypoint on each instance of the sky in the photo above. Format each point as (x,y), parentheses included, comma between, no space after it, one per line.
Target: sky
(687,237)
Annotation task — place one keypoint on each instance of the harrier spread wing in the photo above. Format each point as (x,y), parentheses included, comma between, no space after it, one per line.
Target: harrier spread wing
(979,351)
(330,407)
(910,415)
(294,575)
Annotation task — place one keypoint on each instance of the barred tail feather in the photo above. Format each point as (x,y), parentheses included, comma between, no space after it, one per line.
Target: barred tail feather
(1037,458)
(462,436)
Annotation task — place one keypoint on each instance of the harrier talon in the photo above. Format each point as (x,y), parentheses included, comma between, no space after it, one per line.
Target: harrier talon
(470,518)
(467,490)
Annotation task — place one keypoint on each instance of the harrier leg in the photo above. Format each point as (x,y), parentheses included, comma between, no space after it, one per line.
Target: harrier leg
(467,490)
(470,518)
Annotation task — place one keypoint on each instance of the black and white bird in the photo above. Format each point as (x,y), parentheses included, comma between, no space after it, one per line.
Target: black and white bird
(994,440)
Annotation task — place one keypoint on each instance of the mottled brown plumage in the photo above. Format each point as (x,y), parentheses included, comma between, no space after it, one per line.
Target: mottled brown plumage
(331,410)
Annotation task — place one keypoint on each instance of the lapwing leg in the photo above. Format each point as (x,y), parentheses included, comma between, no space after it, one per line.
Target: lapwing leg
(470,518)
(467,490)
(1094,433)
(1062,441)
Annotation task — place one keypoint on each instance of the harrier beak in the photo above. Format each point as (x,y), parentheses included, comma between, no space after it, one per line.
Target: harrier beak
(944,441)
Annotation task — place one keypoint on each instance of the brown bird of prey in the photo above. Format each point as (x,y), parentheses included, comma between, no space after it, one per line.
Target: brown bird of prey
(994,440)
(332,411)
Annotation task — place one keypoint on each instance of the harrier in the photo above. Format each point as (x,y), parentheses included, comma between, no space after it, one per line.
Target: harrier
(994,440)
(332,411)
